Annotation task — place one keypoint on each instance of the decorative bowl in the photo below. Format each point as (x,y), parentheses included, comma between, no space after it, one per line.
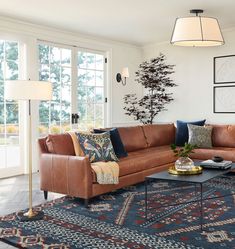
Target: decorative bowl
(217,159)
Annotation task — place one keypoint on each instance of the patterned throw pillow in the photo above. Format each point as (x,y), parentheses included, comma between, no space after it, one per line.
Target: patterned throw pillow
(116,140)
(200,136)
(97,146)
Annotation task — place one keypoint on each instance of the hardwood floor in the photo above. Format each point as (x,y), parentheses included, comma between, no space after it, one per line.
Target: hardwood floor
(14,196)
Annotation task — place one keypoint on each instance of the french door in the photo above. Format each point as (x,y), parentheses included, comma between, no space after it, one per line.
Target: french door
(10,123)
(79,87)
(55,66)
(91,90)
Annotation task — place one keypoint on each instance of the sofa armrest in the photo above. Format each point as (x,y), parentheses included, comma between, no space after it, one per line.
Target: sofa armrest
(71,175)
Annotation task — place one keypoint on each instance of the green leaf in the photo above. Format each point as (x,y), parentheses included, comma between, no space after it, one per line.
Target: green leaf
(173,146)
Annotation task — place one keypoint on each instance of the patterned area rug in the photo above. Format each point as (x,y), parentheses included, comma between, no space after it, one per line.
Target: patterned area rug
(117,220)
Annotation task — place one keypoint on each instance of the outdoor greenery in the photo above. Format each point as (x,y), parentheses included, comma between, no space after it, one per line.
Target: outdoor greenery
(184,151)
(8,109)
(55,65)
(8,71)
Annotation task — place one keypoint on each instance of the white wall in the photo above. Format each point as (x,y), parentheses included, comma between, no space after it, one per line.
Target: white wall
(194,77)
(130,57)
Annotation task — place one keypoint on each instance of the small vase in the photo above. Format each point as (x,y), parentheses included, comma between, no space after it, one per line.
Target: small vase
(184,163)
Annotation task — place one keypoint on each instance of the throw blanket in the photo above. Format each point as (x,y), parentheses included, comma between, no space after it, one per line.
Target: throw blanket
(106,172)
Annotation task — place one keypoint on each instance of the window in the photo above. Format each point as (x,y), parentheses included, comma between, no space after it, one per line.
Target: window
(55,66)
(9,116)
(90,90)
(78,78)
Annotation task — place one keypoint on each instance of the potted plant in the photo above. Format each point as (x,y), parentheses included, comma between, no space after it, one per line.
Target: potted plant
(183,162)
(154,76)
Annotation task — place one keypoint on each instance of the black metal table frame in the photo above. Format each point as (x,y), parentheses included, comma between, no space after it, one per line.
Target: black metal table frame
(200,200)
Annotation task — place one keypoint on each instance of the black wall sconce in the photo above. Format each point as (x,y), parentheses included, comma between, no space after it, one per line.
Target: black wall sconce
(122,77)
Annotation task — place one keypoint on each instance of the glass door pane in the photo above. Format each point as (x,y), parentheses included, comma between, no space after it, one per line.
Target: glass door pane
(90,89)
(78,79)
(9,112)
(55,66)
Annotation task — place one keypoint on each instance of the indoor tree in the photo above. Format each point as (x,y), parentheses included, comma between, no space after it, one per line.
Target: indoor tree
(154,75)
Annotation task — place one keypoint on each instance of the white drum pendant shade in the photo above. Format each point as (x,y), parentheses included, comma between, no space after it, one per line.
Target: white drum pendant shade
(197,31)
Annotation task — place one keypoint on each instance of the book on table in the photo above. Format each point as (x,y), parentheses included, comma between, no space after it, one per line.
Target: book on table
(216,165)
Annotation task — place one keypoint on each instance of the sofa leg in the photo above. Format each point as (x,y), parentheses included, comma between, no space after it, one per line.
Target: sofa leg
(45,194)
(86,202)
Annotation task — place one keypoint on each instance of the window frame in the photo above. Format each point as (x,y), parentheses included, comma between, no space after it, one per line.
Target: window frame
(19,169)
(105,90)
(74,73)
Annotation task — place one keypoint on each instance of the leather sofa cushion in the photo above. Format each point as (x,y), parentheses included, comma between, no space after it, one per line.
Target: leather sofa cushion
(60,144)
(132,138)
(159,134)
(141,160)
(223,136)
(146,159)
(204,154)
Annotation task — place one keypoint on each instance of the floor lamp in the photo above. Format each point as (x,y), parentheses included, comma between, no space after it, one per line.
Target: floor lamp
(29,90)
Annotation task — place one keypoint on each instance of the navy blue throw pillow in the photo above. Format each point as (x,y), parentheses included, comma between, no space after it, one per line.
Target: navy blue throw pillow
(182,131)
(116,141)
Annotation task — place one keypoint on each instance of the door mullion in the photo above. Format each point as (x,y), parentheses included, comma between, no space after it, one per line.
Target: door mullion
(74,94)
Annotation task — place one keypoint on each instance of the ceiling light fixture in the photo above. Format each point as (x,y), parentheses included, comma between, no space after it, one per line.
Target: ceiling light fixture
(197,31)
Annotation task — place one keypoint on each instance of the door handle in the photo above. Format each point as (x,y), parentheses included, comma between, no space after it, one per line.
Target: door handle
(74,118)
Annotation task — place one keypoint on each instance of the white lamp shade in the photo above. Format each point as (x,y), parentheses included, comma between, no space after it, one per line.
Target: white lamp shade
(197,31)
(28,90)
(125,72)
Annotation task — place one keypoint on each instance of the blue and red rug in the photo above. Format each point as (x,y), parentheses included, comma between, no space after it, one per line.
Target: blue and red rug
(117,220)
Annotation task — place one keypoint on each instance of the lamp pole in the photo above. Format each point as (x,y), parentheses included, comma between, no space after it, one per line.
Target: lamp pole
(30,212)
(29,90)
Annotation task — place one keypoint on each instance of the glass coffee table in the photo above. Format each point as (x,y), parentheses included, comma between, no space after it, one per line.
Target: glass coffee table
(196,180)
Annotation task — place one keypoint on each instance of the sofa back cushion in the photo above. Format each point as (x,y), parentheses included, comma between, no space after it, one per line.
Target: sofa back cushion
(223,136)
(60,144)
(42,145)
(132,138)
(159,134)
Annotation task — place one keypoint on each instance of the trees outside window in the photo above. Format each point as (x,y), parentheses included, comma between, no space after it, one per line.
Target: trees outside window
(56,65)
(9,116)
(90,90)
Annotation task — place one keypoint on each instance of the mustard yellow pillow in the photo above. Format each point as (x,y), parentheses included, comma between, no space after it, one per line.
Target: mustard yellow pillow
(77,148)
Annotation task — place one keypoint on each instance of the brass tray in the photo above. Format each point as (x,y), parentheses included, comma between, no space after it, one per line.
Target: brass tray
(195,171)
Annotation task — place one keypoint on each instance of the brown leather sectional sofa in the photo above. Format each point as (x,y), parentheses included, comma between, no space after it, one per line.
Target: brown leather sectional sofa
(148,150)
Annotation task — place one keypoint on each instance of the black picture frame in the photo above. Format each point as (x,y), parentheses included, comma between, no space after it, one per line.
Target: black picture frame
(215,60)
(215,98)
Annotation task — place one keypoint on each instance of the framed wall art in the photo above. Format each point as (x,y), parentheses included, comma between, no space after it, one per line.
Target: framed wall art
(224,69)
(224,99)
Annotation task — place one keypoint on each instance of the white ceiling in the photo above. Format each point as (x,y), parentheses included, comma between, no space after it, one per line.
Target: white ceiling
(134,21)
